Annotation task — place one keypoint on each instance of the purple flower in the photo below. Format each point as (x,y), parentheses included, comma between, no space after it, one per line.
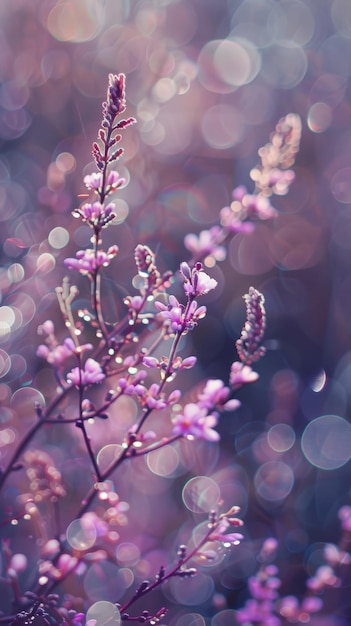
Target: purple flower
(344,515)
(46,328)
(248,346)
(113,181)
(88,261)
(241,374)
(206,244)
(197,282)
(215,395)
(195,422)
(55,355)
(92,373)
(181,319)
(96,214)
(233,221)
(219,534)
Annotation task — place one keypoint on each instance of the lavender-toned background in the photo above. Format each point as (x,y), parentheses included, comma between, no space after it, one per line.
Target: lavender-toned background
(207,81)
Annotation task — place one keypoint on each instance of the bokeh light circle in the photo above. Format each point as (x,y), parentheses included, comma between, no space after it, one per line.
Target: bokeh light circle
(191,619)
(201,494)
(5,363)
(224,618)
(274,480)
(76,21)
(341,185)
(163,462)
(58,237)
(128,554)
(281,437)
(222,126)
(237,61)
(25,400)
(196,590)
(107,455)
(104,613)
(284,64)
(81,534)
(326,442)
(106,581)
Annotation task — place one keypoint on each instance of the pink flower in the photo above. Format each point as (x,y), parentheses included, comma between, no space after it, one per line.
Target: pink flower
(241,375)
(179,318)
(219,534)
(344,515)
(47,328)
(245,206)
(234,222)
(91,374)
(206,243)
(196,422)
(94,181)
(55,354)
(215,395)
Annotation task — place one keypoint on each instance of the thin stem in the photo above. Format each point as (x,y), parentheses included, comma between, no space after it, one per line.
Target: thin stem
(157,446)
(81,424)
(139,594)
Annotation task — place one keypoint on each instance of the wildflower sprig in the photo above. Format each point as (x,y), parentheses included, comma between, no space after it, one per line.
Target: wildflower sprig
(118,363)
(215,531)
(249,344)
(272,176)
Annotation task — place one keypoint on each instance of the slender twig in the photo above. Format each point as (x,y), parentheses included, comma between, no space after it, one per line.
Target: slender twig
(141,592)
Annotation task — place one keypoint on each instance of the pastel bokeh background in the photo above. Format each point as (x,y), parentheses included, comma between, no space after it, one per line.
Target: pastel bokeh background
(207,80)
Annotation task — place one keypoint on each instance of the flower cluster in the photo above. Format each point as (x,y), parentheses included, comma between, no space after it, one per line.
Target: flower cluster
(272,176)
(127,380)
(249,344)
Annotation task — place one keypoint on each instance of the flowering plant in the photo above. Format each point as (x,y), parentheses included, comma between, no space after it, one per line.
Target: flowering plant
(120,379)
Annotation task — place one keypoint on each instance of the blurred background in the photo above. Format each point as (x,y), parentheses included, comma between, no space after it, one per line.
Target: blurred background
(207,81)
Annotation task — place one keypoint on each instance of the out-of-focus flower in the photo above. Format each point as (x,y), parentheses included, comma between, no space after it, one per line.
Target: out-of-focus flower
(92,373)
(273,175)
(18,563)
(344,515)
(245,206)
(334,556)
(46,328)
(324,577)
(55,355)
(294,612)
(45,479)
(269,549)
(255,612)
(206,244)
(196,422)
(241,375)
